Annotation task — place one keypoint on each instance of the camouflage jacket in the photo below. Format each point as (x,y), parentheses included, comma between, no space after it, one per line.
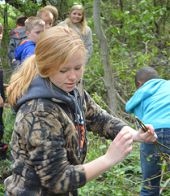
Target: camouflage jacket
(45,147)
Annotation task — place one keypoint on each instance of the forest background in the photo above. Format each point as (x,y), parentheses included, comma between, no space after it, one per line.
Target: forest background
(127,35)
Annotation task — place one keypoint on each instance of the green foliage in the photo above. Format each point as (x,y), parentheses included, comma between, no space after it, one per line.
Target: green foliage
(5,165)
(93,77)
(5,171)
(27,7)
(136,22)
(138,35)
(9,117)
(126,175)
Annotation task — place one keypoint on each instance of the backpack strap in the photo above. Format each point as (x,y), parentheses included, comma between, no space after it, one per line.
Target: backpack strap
(23,41)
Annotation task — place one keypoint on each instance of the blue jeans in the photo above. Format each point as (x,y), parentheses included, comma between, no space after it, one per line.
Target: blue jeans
(151,163)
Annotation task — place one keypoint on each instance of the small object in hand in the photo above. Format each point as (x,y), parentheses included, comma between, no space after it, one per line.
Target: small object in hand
(143,126)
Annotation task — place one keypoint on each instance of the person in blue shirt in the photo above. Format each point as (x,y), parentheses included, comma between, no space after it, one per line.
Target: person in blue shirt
(34,26)
(151,104)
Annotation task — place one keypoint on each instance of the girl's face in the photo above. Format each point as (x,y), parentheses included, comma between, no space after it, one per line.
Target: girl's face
(76,16)
(48,19)
(70,73)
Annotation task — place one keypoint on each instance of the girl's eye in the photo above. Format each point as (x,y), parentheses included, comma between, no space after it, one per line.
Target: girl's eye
(63,71)
(67,70)
(77,68)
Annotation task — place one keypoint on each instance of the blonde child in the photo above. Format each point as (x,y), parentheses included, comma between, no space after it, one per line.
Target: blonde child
(33,26)
(77,21)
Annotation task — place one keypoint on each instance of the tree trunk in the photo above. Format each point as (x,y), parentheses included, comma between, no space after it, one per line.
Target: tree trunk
(6,16)
(108,76)
(120,2)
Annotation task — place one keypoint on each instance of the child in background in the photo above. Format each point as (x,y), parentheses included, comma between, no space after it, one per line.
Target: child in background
(34,26)
(3,146)
(46,16)
(78,23)
(2,98)
(151,104)
(17,35)
(54,12)
(2,95)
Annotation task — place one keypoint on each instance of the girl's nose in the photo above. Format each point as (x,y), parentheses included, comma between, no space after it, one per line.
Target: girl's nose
(72,75)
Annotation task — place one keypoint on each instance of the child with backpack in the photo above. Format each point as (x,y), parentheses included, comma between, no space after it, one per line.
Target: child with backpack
(17,35)
(33,26)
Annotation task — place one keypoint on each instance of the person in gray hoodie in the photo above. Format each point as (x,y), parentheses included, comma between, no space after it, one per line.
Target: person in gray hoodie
(16,36)
(34,26)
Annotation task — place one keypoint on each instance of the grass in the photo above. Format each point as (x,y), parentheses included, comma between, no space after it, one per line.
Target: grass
(122,179)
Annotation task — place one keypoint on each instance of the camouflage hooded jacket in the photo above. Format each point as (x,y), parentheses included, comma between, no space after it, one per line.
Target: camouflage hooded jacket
(46,144)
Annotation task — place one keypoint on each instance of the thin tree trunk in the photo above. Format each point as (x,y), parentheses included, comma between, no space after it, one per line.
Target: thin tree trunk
(108,76)
(6,16)
(120,2)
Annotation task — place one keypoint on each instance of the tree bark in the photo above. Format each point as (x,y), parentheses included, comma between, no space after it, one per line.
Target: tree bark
(108,76)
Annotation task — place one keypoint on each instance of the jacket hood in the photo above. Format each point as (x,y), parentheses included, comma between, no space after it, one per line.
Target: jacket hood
(18,33)
(43,88)
(145,91)
(19,50)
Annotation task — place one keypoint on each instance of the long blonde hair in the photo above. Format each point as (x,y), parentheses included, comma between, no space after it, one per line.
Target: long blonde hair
(83,23)
(54,48)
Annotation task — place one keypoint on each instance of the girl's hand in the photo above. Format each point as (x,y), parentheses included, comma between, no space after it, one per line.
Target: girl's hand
(144,136)
(149,136)
(120,147)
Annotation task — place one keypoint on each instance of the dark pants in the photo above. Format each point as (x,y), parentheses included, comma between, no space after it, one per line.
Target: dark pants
(151,163)
(1,108)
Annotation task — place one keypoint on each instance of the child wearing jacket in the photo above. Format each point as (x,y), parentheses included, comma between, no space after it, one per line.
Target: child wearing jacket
(17,35)
(33,26)
(151,104)
(77,21)
(49,141)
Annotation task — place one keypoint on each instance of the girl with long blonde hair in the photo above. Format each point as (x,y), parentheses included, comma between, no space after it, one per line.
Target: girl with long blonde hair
(49,141)
(77,21)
